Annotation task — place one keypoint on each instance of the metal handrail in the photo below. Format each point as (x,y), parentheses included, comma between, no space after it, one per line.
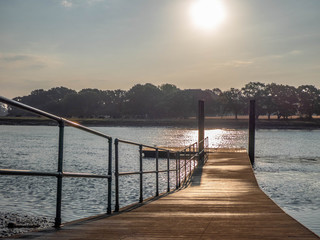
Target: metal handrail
(60,174)
(192,156)
(51,116)
(49,174)
(144,145)
(188,157)
(189,146)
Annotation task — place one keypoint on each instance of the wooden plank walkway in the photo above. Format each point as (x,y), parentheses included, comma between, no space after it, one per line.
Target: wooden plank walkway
(223,201)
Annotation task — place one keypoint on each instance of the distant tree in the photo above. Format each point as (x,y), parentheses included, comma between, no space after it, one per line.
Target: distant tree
(217,91)
(44,100)
(309,97)
(58,93)
(112,103)
(72,105)
(270,105)
(195,95)
(167,100)
(256,91)
(217,104)
(179,104)
(3,109)
(55,97)
(233,101)
(168,89)
(192,97)
(142,101)
(37,99)
(284,98)
(91,101)
(212,105)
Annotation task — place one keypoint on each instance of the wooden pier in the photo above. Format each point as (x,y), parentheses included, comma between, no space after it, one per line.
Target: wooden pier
(223,201)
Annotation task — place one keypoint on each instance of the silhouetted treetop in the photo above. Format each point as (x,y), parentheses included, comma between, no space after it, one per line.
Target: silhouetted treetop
(168,101)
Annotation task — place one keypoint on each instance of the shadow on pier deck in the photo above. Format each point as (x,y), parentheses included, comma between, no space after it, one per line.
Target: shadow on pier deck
(223,201)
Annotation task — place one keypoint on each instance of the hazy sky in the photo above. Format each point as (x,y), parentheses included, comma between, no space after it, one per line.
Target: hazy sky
(112,44)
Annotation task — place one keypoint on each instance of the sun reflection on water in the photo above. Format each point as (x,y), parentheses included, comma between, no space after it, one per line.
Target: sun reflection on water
(224,138)
(219,138)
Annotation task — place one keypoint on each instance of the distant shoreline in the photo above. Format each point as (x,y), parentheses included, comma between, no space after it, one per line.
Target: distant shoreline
(211,123)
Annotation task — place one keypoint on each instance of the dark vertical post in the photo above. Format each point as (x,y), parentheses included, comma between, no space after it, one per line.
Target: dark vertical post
(252,126)
(193,148)
(168,169)
(185,164)
(141,179)
(57,223)
(110,175)
(157,172)
(177,178)
(193,153)
(190,160)
(197,150)
(116,174)
(201,128)
(179,168)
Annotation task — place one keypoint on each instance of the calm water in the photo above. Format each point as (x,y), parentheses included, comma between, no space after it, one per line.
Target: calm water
(287,167)
(288,170)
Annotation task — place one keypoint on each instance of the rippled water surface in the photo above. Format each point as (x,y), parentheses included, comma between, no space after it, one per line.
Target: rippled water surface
(287,167)
(288,170)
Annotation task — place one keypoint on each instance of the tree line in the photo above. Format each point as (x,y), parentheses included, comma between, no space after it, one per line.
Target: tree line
(168,101)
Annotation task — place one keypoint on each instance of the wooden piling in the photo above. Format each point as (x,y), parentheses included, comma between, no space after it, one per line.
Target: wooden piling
(252,126)
(201,128)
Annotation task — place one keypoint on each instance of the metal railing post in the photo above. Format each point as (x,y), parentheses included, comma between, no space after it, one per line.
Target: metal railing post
(252,126)
(60,174)
(179,169)
(185,165)
(201,128)
(177,178)
(194,158)
(168,169)
(193,152)
(110,175)
(141,177)
(57,223)
(190,160)
(157,172)
(116,174)
(197,146)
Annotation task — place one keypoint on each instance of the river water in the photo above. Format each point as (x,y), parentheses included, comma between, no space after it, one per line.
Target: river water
(287,167)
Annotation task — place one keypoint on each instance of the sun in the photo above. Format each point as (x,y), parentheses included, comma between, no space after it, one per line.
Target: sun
(207,14)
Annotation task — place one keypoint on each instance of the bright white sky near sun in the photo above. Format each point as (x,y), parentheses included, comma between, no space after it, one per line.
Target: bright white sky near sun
(112,44)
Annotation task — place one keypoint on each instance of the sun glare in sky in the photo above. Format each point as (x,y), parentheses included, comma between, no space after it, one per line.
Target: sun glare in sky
(207,14)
